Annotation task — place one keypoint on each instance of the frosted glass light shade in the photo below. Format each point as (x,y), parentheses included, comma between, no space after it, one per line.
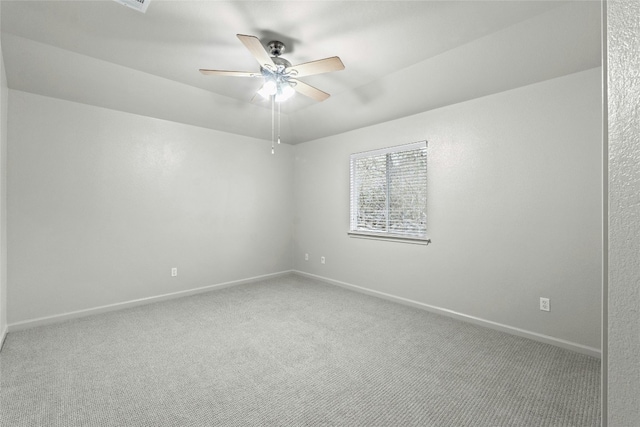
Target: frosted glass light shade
(285,91)
(268,89)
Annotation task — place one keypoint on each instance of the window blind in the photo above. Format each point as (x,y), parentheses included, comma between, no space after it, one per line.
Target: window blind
(389,191)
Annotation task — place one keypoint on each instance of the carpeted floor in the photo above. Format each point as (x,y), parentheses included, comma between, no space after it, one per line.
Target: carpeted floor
(289,352)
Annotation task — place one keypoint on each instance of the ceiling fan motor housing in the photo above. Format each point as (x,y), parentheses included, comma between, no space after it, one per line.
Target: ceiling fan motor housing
(281,62)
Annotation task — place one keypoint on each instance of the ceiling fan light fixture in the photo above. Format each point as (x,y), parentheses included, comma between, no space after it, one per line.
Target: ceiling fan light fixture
(285,91)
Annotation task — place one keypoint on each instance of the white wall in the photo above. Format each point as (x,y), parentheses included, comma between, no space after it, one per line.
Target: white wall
(4,100)
(514,210)
(102,204)
(622,361)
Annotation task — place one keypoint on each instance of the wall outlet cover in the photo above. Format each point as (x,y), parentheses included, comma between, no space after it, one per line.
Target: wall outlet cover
(544,304)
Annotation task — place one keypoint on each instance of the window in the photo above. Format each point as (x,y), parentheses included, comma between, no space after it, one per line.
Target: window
(389,192)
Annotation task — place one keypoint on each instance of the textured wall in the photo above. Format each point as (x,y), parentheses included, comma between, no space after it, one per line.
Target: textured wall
(514,211)
(623,39)
(4,97)
(102,204)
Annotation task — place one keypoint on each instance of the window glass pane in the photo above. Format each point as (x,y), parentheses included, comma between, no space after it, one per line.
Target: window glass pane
(408,198)
(371,190)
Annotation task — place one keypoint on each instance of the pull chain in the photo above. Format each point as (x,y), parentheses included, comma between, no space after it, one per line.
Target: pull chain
(278,123)
(272,124)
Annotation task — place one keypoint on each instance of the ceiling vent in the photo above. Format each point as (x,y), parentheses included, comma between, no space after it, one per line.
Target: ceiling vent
(139,5)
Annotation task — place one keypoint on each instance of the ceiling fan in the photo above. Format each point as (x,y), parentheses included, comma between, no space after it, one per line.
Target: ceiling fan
(280,77)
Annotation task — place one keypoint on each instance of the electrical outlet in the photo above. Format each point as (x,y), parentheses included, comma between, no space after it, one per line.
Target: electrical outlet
(174,271)
(322,260)
(306,257)
(544,304)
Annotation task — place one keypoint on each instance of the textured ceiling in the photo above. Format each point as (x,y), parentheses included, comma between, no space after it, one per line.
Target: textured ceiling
(401,57)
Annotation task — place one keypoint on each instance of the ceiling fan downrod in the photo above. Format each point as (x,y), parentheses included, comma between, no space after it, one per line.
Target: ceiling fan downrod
(276,48)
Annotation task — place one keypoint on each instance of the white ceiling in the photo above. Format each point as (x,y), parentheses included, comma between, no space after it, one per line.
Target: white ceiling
(401,57)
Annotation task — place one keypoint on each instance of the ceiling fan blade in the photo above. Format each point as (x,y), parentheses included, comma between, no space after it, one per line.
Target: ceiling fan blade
(320,66)
(257,50)
(310,91)
(230,73)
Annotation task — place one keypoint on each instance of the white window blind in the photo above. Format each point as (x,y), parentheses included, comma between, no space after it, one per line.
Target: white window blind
(389,192)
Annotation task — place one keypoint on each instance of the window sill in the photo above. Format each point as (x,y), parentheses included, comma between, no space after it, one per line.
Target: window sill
(390,238)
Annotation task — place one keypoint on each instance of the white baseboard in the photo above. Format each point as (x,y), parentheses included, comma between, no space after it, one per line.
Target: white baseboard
(3,336)
(27,324)
(589,351)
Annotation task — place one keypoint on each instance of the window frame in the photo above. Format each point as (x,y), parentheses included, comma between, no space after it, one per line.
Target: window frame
(353,196)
